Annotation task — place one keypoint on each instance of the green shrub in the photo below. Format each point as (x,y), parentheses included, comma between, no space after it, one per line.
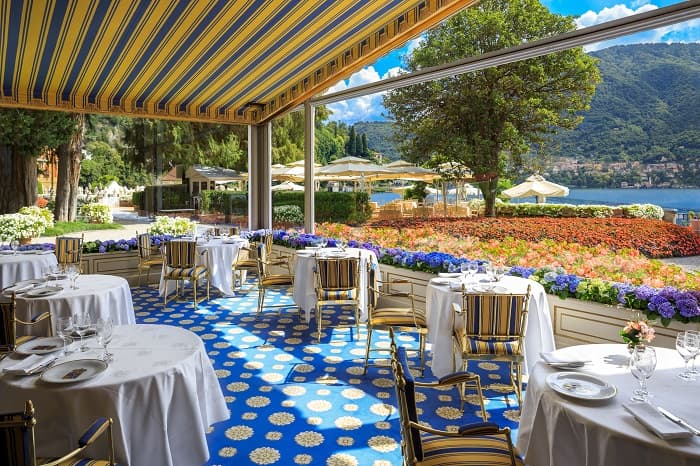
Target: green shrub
(227,202)
(137,200)
(288,214)
(171,226)
(96,213)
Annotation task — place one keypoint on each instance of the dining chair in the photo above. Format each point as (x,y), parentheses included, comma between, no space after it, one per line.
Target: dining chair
(8,324)
(18,448)
(181,265)
(483,443)
(391,305)
(491,327)
(337,282)
(69,250)
(247,261)
(149,256)
(268,280)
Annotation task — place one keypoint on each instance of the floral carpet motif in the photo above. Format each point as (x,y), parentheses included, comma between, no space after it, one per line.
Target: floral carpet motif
(296,401)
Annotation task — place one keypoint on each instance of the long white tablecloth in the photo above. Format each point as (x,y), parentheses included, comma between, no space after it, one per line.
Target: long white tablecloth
(25,265)
(304,280)
(557,430)
(539,335)
(222,253)
(160,389)
(105,296)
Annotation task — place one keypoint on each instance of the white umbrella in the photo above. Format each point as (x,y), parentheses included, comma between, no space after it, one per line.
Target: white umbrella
(537,186)
(287,186)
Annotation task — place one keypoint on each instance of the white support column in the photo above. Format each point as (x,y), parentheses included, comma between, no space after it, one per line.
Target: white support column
(309,159)
(260,176)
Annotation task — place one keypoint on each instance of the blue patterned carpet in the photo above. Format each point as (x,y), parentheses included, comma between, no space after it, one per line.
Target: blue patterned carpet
(293,401)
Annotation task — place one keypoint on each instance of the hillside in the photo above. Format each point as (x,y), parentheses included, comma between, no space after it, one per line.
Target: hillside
(380,138)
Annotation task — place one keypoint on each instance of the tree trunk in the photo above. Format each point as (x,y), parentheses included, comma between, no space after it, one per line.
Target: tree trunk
(18,172)
(69,158)
(489,190)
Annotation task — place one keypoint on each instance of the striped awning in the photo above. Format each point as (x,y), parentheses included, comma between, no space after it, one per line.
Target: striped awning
(235,61)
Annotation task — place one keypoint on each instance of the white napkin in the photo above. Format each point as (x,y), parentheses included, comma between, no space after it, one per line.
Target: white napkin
(19,289)
(552,358)
(656,422)
(29,364)
(449,275)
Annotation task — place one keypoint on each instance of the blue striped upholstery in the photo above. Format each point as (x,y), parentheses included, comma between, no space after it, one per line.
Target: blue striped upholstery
(338,273)
(189,272)
(181,254)
(266,279)
(7,324)
(491,450)
(69,250)
(337,295)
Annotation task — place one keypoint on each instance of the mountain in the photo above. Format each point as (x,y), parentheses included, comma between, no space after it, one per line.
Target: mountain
(380,138)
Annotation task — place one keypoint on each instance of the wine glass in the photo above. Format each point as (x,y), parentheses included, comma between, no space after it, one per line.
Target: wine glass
(82,324)
(73,274)
(472,269)
(687,345)
(499,272)
(104,329)
(323,242)
(14,245)
(464,268)
(642,365)
(64,328)
(341,243)
(488,270)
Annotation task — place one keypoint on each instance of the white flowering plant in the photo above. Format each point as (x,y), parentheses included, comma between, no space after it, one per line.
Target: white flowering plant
(24,225)
(96,213)
(171,226)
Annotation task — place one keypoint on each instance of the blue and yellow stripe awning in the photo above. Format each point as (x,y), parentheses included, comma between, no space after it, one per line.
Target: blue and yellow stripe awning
(233,61)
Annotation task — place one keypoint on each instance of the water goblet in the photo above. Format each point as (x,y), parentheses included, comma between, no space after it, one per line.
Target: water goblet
(104,329)
(695,333)
(498,272)
(472,269)
(82,324)
(464,268)
(341,244)
(686,345)
(73,274)
(324,242)
(642,364)
(64,328)
(14,245)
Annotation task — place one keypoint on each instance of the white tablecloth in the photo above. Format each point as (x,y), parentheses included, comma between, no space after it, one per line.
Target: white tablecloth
(304,280)
(222,253)
(24,266)
(105,296)
(539,335)
(556,430)
(160,389)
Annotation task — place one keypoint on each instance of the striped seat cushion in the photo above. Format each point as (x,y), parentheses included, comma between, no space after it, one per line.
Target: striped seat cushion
(398,316)
(188,272)
(477,451)
(338,295)
(277,280)
(472,345)
(75,462)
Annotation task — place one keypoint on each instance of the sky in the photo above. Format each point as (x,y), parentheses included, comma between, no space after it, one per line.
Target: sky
(587,13)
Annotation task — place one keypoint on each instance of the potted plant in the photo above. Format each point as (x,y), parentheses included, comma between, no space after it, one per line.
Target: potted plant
(28,223)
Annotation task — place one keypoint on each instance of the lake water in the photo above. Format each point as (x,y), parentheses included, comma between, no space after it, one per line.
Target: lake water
(682,200)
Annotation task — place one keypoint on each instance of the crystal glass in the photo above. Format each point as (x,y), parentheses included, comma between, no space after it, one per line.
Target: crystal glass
(464,268)
(341,244)
(14,245)
(695,333)
(642,365)
(73,273)
(64,328)
(472,269)
(499,272)
(687,347)
(104,330)
(488,270)
(323,242)
(82,324)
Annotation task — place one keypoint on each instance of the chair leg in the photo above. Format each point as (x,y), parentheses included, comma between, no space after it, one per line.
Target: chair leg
(519,387)
(421,346)
(139,281)
(369,342)
(194,290)
(319,316)
(261,300)
(357,321)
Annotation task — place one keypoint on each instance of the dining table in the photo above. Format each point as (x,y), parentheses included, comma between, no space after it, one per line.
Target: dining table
(221,253)
(102,296)
(16,266)
(590,422)
(442,292)
(304,280)
(159,388)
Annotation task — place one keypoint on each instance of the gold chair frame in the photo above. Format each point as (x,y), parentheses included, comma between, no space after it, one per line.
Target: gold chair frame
(149,256)
(69,250)
(329,284)
(268,280)
(8,324)
(181,266)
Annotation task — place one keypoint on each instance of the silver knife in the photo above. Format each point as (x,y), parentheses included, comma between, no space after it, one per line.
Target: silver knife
(678,420)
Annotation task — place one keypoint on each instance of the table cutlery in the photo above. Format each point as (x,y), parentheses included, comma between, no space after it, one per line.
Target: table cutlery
(678,420)
(568,365)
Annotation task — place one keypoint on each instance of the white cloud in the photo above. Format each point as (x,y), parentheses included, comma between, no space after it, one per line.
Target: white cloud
(590,17)
(365,108)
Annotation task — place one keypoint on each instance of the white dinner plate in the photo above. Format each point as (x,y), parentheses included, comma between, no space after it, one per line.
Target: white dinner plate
(22,287)
(581,386)
(442,281)
(43,291)
(74,371)
(40,346)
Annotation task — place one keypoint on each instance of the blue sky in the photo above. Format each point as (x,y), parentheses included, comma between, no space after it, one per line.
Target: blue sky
(587,13)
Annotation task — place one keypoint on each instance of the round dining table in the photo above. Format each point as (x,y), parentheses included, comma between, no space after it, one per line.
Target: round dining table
(159,388)
(221,254)
(441,294)
(578,430)
(24,265)
(103,296)
(304,280)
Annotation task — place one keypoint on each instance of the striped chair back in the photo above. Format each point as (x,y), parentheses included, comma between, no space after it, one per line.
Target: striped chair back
(181,254)
(7,324)
(143,241)
(17,437)
(499,316)
(338,274)
(406,393)
(373,275)
(69,250)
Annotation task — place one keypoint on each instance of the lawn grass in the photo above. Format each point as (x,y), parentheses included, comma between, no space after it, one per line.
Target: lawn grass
(63,228)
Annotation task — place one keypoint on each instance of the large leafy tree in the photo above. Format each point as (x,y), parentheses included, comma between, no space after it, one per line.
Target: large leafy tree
(489,119)
(24,135)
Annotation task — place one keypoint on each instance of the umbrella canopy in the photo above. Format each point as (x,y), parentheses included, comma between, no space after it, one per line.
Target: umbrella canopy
(352,170)
(287,186)
(536,185)
(411,173)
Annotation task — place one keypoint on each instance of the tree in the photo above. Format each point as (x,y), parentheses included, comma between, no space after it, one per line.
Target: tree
(488,119)
(365,148)
(69,160)
(24,134)
(351,147)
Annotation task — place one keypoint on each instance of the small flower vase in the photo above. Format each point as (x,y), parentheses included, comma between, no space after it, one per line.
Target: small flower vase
(25,241)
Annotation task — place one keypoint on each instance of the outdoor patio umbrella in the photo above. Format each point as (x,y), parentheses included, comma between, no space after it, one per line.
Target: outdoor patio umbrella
(287,186)
(536,185)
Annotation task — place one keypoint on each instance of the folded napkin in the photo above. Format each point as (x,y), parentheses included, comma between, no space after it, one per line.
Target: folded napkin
(656,422)
(19,289)
(449,275)
(552,358)
(30,364)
